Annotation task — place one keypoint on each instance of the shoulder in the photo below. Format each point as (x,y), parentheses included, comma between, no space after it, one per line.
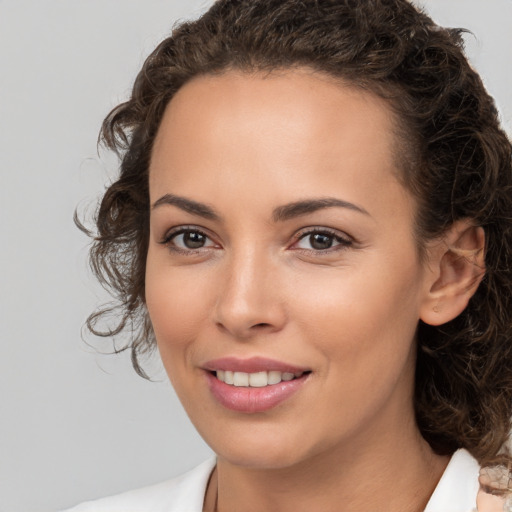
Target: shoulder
(458,487)
(185,492)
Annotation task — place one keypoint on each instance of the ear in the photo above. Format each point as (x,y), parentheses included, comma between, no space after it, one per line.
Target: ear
(456,267)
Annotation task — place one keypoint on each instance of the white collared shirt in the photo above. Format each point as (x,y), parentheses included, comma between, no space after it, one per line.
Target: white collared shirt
(455,492)
(458,487)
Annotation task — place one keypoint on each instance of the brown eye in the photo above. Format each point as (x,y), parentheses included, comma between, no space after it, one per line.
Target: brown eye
(321,241)
(194,240)
(188,239)
(316,240)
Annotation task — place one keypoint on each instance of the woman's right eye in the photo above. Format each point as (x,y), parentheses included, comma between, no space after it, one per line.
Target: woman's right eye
(187,239)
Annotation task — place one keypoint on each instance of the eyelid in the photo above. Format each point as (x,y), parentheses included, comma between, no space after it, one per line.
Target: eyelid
(176,230)
(323,229)
(343,238)
(173,232)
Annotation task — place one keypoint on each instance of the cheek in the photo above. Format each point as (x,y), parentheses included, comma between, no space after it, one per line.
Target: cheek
(365,335)
(178,306)
(361,320)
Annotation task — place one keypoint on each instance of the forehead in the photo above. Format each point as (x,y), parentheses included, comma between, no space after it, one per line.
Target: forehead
(300,102)
(298,131)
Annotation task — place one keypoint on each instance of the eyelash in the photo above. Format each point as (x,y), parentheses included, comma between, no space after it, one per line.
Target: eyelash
(174,233)
(342,242)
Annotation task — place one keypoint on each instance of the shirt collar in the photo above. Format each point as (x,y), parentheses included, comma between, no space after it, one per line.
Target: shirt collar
(458,487)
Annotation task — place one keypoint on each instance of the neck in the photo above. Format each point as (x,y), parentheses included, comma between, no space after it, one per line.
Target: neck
(390,474)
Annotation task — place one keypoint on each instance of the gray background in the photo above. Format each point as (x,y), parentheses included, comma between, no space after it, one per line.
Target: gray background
(75,424)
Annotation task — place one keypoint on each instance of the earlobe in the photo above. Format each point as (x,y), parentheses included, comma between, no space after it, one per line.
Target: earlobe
(456,268)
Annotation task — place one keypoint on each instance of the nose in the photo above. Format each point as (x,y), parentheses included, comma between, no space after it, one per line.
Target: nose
(249,299)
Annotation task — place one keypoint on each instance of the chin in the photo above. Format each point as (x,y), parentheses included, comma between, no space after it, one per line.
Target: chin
(258,449)
(261,459)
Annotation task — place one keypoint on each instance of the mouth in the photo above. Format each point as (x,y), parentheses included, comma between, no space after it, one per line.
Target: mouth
(257,379)
(253,385)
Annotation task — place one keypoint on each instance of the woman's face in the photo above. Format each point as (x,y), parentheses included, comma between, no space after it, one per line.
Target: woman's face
(282,242)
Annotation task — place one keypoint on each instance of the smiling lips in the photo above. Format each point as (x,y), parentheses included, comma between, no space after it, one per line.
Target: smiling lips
(253,385)
(255,380)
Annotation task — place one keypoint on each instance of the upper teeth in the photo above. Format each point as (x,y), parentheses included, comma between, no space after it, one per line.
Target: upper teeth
(255,380)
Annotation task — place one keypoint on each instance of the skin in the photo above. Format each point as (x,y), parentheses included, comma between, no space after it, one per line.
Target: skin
(244,145)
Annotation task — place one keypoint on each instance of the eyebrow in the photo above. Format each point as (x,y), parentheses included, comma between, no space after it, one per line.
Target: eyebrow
(298,208)
(188,205)
(280,214)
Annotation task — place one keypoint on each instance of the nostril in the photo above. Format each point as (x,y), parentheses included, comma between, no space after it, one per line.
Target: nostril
(262,325)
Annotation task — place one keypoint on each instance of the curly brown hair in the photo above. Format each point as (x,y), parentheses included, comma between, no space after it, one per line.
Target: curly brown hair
(454,158)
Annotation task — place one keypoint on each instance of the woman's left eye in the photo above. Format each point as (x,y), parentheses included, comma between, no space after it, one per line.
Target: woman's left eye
(321,241)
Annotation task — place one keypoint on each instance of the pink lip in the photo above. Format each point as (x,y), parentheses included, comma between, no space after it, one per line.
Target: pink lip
(251,365)
(248,399)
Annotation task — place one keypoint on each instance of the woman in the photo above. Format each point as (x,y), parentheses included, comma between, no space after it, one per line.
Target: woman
(313,225)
